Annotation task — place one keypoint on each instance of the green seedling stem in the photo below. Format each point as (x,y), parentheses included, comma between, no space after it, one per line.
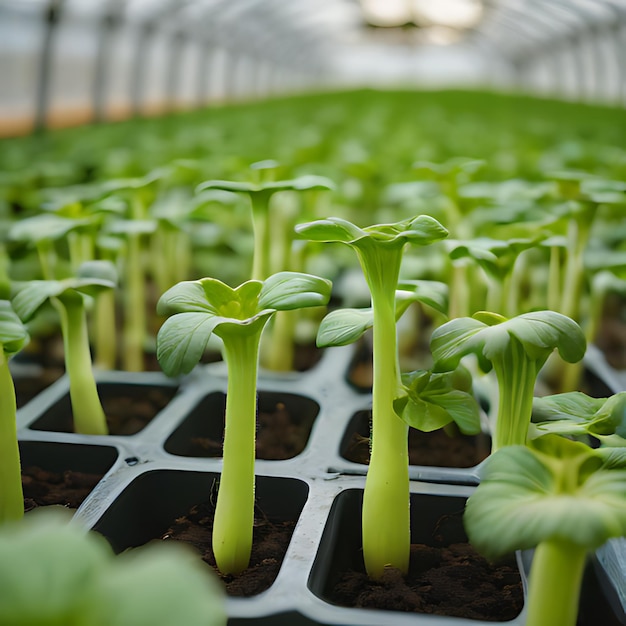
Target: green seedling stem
(238,316)
(385,515)
(68,297)
(11,495)
(13,337)
(87,410)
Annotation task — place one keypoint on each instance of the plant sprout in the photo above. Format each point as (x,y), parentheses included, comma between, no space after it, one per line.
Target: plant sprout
(577,414)
(68,298)
(260,194)
(13,337)
(379,248)
(560,496)
(238,316)
(516,349)
(69,576)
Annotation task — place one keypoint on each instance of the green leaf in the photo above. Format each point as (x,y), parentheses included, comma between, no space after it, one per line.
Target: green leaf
(330,229)
(131,227)
(44,227)
(576,413)
(552,489)
(420,230)
(185,297)
(293,290)
(33,295)
(92,278)
(57,564)
(199,308)
(303,183)
(13,334)
(433,400)
(157,585)
(182,340)
(540,332)
(344,326)
(430,292)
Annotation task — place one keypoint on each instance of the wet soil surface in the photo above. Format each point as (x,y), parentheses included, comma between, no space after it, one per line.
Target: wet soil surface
(279,436)
(68,488)
(270,542)
(127,410)
(446,578)
(436,449)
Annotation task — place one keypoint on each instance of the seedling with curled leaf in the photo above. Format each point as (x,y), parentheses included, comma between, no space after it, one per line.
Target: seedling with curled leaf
(516,349)
(68,297)
(579,415)
(260,194)
(238,316)
(13,337)
(560,496)
(379,248)
(435,400)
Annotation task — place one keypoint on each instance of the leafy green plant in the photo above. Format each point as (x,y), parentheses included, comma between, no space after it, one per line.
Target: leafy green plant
(68,298)
(13,337)
(260,193)
(238,316)
(516,349)
(559,495)
(70,576)
(579,415)
(379,248)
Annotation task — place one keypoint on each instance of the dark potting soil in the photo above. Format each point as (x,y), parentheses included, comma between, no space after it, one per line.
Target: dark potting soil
(453,580)
(270,543)
(127,412)
(446,578)
(68,488)
(436,449)
(27,387)
(279,436)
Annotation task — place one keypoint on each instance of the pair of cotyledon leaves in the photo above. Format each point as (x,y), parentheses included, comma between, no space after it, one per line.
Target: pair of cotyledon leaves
(200,308)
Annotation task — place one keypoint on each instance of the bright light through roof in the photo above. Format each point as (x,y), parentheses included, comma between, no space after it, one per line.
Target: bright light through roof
(387,12)
(451,13)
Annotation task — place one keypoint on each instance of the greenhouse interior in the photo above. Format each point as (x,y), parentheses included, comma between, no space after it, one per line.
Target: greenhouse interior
(312,312)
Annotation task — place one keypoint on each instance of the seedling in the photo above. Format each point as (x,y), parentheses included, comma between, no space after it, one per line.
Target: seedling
(579,415)
(379,248)
(238,316)
(13,337)
(68,298)
(560,496)
(516,349)
(260,194)
(70,576)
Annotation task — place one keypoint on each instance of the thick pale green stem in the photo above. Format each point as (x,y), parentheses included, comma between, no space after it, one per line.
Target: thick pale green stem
(234,512)
(105,331)
(386,515)
(89,418)
(555,580)
(459,291)
(516,374)
(11,495)
(577,236)
(279,352)
(262,239)
(134,307)
(554,279)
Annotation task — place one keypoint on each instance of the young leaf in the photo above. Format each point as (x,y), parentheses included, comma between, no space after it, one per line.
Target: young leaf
(575,413)
(434,400)
(552,489)
(487,334)
(13,333)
